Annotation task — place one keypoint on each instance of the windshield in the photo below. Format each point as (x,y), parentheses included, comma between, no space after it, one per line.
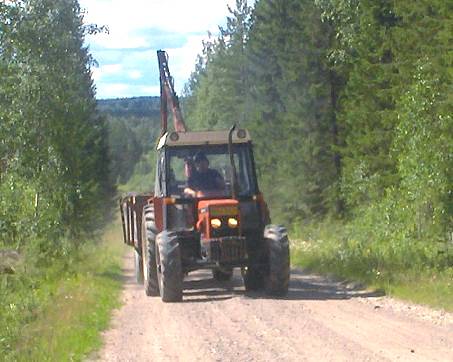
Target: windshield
(205,171)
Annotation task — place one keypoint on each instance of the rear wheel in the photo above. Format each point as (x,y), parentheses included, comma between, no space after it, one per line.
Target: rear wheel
(277,277)
(169,268)
(148,252)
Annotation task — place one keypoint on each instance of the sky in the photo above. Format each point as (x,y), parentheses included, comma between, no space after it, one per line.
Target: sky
(137,28)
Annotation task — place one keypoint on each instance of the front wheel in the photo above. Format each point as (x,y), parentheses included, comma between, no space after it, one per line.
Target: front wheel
(169,268)
(253,278)
(277,277)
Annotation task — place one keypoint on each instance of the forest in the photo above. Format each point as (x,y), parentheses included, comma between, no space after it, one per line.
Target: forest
(349,103)
(133,128)
(56,191)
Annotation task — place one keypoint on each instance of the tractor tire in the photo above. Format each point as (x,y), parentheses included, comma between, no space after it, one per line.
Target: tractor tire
(253,278)
(276,280)
(148,252)
(138,267)
(169,268)
(222,275)
(253,274)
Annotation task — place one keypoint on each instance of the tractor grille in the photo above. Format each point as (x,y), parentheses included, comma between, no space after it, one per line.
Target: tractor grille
(228,249)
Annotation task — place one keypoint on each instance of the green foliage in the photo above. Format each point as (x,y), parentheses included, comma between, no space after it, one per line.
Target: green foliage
(217,93)
(400,266)
(142,179)
(350,105)
(140,107)
(424,150)
(133,128)
(53,154)
(54,162)
(268,71)
(57,313)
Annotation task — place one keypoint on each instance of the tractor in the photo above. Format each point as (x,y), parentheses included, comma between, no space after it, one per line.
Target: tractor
(207,211)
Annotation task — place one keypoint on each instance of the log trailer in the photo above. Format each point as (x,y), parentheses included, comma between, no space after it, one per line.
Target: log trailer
(207,211)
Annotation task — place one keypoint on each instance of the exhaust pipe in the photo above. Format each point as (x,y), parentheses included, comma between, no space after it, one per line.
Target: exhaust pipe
(234,177)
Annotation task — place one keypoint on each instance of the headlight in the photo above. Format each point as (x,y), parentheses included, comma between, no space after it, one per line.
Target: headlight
(232,222)
(216,223)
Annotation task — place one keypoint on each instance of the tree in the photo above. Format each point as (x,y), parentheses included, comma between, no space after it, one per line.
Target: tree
(54,146)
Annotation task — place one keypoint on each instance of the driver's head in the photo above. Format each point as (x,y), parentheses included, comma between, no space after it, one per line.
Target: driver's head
(201,162)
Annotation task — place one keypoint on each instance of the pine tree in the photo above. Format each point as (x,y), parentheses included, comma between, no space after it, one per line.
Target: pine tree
(219,96)
(288,45)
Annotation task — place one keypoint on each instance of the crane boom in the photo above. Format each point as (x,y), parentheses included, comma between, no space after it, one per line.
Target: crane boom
(168,94)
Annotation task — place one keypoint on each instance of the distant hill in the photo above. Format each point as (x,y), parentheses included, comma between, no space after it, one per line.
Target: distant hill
(131,107)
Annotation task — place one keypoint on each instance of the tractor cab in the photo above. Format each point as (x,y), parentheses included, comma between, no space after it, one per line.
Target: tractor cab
(207,186)
(198,165)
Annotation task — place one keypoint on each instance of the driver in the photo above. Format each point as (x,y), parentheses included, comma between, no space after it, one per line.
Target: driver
(203,178)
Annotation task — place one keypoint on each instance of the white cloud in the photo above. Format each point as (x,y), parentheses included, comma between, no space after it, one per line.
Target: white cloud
(176,25)
(148,90)
(104,70)
(112,90)
(135,74)
(182,60)
(110,68)
(123,90)
(179,16)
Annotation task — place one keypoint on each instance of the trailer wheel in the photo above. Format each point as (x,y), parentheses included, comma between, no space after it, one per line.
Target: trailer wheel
(222,275)
(148,252)
(277,277)
(169,269)
(138,267)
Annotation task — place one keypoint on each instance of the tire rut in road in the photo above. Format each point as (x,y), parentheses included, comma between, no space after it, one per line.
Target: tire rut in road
(318,320)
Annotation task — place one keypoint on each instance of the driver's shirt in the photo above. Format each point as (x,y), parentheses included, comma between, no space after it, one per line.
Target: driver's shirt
(204,181)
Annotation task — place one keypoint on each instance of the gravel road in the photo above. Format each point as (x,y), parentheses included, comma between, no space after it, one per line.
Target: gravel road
(319,320)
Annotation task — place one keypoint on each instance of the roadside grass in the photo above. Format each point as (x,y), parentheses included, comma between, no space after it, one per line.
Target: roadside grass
(327,248)
(72,307)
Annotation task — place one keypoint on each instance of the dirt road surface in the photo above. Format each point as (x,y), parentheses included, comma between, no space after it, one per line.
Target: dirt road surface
(319,320)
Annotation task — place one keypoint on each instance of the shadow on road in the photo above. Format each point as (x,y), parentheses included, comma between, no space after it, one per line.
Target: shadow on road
(200,287)
(306,286)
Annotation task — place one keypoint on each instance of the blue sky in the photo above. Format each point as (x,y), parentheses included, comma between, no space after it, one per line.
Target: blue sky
(137,28)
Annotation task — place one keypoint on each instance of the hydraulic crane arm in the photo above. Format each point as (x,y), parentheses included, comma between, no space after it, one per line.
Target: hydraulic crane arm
(168,95)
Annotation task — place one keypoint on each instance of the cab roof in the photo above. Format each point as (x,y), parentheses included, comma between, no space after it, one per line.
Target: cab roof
(202,138)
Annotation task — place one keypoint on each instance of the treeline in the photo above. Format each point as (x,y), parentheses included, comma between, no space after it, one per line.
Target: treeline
(54,164)
(133,127)
(350,105)
(55,186)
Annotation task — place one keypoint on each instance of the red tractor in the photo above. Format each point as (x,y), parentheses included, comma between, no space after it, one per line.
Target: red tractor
(207,211)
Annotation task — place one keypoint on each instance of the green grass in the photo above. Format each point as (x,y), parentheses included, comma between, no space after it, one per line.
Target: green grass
(64,314)
(406,273)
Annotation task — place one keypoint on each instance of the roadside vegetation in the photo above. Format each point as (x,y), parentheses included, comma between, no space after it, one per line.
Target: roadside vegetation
(58,282)
(57,313)
(346,250)
(350,106)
